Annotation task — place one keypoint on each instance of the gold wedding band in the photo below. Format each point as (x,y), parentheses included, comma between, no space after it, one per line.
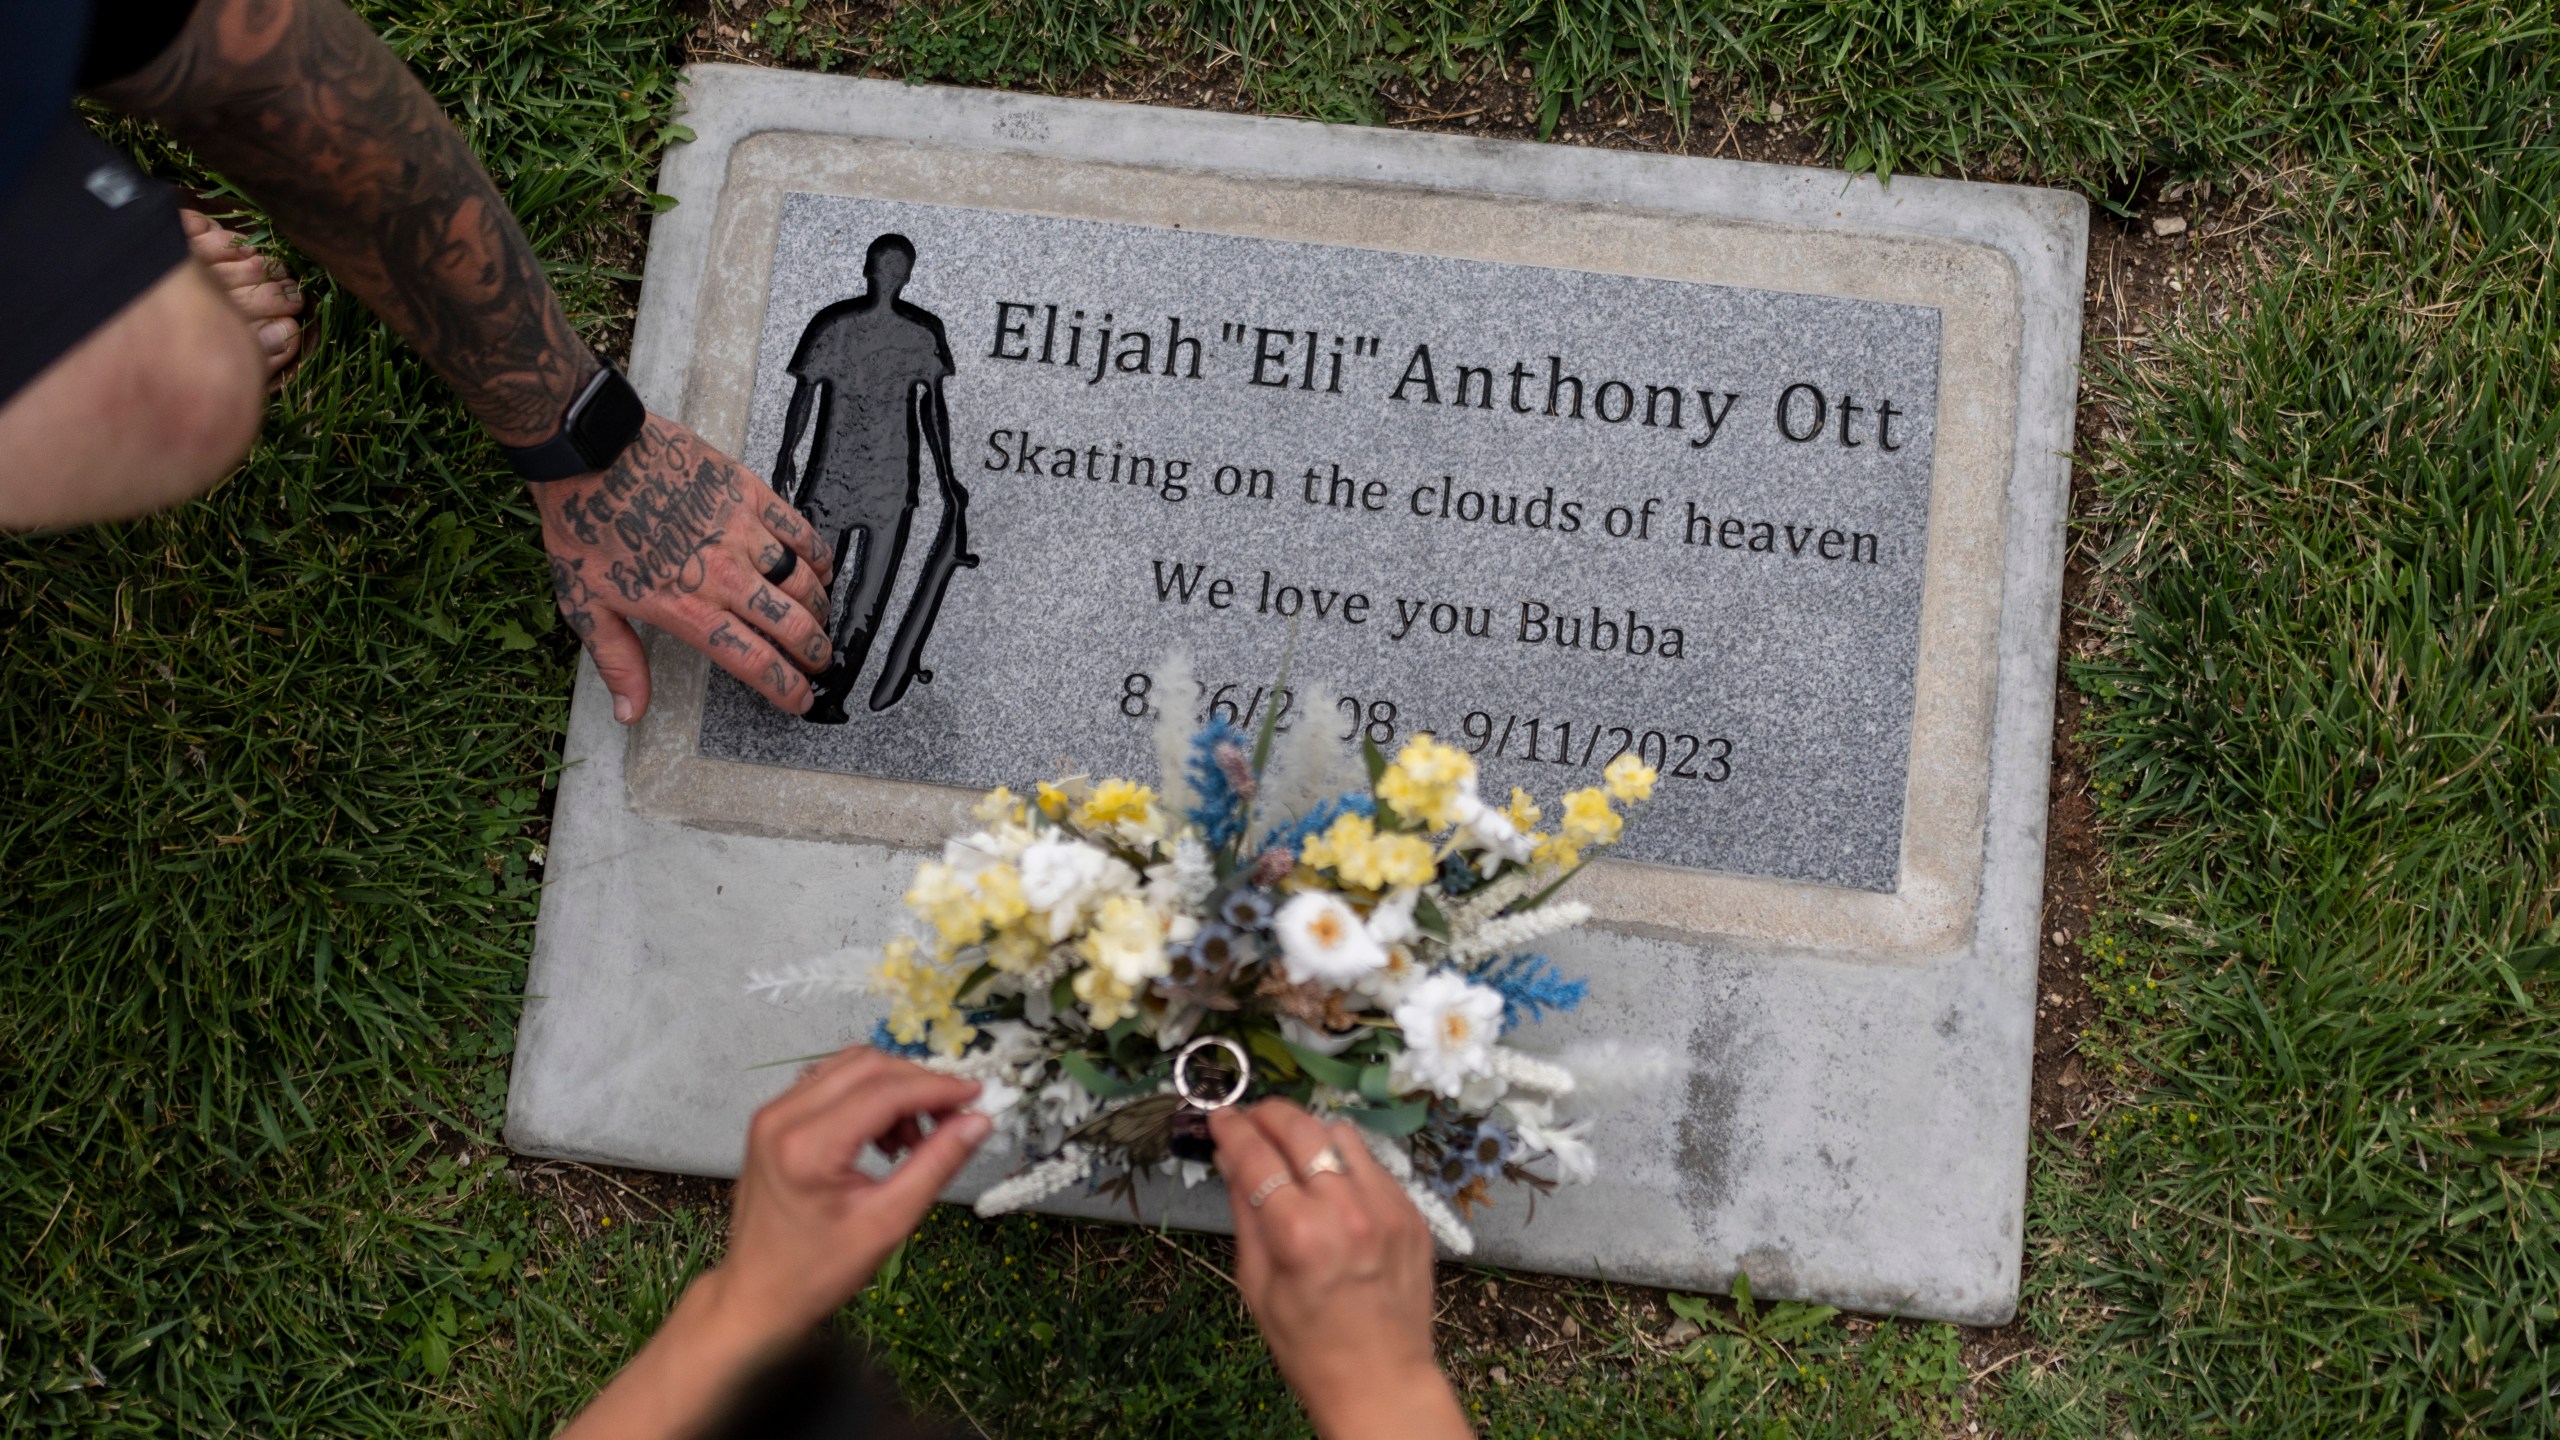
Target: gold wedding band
(1265,1190)
(1328,1161)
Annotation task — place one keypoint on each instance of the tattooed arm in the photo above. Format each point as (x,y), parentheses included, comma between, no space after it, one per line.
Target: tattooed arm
(300,105)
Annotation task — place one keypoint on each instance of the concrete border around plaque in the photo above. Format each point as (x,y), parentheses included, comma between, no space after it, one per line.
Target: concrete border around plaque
(1853,1126)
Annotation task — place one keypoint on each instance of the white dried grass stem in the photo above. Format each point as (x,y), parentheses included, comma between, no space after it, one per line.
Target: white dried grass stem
(846,972)
(1528,1072)
(1037,1183)
(1514,931)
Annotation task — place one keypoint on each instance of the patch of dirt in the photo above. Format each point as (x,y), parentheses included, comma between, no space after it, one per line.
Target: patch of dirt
(587,1198)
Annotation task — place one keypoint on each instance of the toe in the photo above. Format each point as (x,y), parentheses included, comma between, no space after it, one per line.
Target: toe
(214,245)
(274,300)
(242,271)
(279,339)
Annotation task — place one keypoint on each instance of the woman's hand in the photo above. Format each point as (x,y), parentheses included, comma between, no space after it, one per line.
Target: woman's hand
(1336,1267)
(806,1228)
(806,1231)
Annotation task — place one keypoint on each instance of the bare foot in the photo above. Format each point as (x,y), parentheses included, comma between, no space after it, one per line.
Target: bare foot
(259,287)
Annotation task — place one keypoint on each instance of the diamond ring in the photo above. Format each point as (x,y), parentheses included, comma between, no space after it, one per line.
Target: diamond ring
(1328,1161)
(1267,1188)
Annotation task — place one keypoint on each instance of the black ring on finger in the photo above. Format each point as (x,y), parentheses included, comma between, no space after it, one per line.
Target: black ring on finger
(783,567)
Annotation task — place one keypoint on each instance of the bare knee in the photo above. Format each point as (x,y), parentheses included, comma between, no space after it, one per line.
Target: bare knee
(154,407)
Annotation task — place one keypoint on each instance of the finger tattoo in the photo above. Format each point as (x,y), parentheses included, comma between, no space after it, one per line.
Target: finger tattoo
(722,637)
(765,603)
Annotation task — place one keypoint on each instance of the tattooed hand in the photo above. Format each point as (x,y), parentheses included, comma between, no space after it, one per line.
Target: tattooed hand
(680,535)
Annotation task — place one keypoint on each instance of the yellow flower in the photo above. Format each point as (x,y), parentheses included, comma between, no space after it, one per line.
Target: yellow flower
(999,890)
(1522,812)
(1017,951)
(1354,850)
(1588,820)
(1107,998)
(1127,939)
(1052,800)
(1559,851)
(1425,781)
(942,900)
(922,996)
(963,911)
(999,807)
(1115,801)
(1630,779)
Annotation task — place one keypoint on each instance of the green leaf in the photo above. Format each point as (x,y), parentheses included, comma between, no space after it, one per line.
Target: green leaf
(1374,758)
(1742,1293)
(1340,1074)
(1273,1050)
(1793,1321)
(1081,1068)
(1401,1119)
(890,1268)
(1428,919)
(1698,1310)
(1062,996)
(1549,112)
(975,978)
(1373,1084)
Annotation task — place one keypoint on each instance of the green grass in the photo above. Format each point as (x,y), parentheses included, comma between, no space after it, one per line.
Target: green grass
(277,760)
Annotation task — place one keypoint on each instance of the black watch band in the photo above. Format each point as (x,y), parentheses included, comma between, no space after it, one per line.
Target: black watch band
(606,416)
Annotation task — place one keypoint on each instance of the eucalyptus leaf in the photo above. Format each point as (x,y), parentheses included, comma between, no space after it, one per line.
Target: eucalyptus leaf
(1401,1119)
(1101,1086)
(1340,1074)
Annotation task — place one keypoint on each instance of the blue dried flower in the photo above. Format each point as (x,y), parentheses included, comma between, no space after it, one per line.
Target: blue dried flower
(1530,986)
(1292,837)
(1472,1150)
(1218,804)
(1246,909)
(888,1044)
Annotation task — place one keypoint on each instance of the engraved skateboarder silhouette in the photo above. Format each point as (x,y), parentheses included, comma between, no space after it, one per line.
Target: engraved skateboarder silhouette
(869,375)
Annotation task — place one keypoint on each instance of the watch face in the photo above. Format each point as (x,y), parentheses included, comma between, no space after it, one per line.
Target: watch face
(607,419)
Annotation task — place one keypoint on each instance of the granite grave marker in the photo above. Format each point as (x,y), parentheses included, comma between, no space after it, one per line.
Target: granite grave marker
(1756,472)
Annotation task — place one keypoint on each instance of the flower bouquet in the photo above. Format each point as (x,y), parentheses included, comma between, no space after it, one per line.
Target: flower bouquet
(1351,927)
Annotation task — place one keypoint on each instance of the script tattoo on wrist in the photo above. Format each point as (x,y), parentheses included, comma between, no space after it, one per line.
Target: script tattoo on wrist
(659,509)
(303,107)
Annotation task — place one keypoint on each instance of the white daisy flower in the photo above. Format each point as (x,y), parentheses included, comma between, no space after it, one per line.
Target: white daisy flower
(1394,979)
(1391,919)
(1449,1028)
(1322,938)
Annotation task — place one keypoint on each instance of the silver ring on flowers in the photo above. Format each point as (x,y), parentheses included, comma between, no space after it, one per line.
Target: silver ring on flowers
(1328,1161)
(1182,1073)
(1268,1188)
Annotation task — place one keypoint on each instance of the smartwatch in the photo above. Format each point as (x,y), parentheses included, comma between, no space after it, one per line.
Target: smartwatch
(605,417)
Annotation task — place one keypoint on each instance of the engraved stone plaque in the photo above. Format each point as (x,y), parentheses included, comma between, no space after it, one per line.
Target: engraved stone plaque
(1757,472)
(1548,514)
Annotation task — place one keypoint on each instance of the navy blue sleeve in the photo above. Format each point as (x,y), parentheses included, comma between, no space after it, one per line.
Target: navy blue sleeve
(42,40)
